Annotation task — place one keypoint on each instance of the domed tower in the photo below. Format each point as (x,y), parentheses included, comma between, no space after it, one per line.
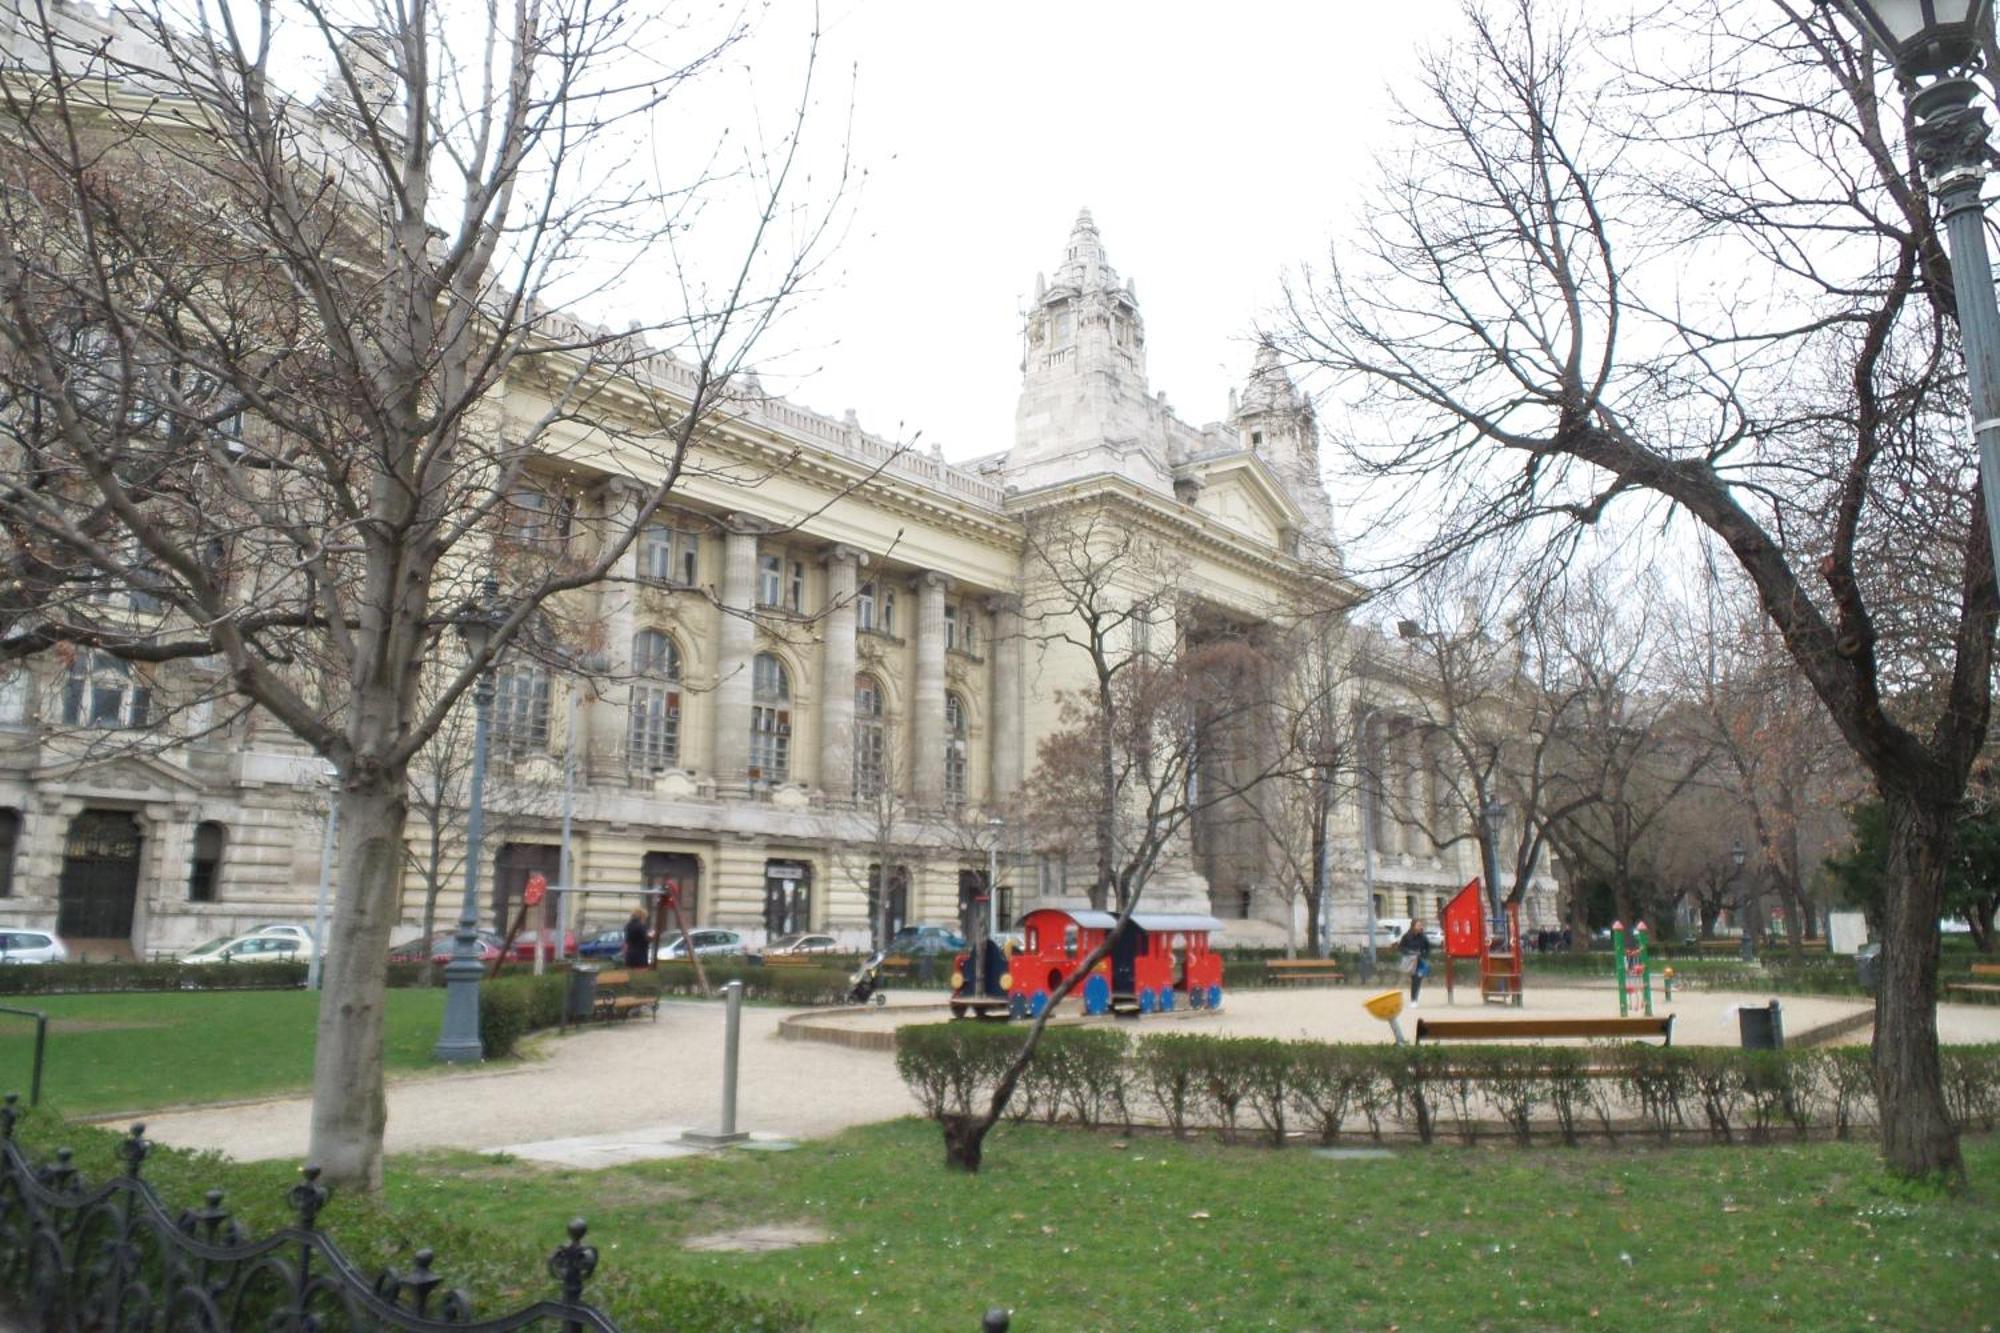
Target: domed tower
(1084,406)
(1275,421)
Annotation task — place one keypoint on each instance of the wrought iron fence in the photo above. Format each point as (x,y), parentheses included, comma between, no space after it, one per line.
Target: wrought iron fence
(80,1258)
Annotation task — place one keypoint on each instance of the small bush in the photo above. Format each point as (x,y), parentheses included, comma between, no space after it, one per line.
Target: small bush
(1267,1076)
(1849,1079)
(1971,1085)
(1572,1093)
(1659,1079)
(512,1007)
(1330,1082)
(1717,1079)
(1168,1068)
(951,1067)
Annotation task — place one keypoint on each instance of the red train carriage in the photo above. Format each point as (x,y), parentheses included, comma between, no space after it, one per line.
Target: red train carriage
(1159,962)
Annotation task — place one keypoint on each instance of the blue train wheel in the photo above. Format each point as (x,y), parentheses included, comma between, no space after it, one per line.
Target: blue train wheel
(1016,1006)
(1146,1000)
(1166,999)
(1215,997)
(1194,997)
(1096,996)
(1039,1003)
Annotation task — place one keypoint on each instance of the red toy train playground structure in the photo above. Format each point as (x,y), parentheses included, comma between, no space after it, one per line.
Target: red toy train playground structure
(1466,935)
(1159,962)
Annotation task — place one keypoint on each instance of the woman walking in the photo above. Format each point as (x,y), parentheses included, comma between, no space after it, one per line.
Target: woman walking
(1415,946)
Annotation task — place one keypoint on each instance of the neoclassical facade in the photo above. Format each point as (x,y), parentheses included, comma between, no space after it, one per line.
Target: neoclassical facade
(820,619)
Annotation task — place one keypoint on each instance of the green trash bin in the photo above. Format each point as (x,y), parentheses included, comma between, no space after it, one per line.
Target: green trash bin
(580,1000)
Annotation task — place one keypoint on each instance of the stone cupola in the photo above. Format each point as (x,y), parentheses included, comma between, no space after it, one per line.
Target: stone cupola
(1275,421)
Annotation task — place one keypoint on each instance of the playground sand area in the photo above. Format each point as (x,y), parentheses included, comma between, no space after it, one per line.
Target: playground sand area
(1336,1013)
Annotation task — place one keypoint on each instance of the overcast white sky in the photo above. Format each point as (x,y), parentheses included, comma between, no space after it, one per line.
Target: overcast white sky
(1216,145)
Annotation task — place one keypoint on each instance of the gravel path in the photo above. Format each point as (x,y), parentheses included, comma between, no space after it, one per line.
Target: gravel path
(658,1077)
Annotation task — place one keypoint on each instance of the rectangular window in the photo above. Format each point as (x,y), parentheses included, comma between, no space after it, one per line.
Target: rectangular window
(798,587)
(770,579)
(521,710)
(13,697)
(534,517)
(888,610)
(868,759)
(770,743)
(656,727)
(950,626)
(668,555)
(954,772)
(864,606)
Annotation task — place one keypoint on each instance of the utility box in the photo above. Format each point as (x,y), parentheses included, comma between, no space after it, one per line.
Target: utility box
(1846,932)
(1868,967)
(1763,1029)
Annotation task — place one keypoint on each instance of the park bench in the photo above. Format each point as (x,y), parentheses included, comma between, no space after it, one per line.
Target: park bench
(1298,971)
(616,997)
(1979,989)
(1509,1029)
(794,959)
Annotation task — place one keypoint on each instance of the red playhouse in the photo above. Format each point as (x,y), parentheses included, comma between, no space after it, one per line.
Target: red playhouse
(1160,961)
(1466,935)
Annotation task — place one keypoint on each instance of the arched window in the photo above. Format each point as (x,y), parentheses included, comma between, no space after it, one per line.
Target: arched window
(521,709)
(10,842)
(655,741)
(205,867)
(867,736)
(954,749)
(770,720)
(101,692)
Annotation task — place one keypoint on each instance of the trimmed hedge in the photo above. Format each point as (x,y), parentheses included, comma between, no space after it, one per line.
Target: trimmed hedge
(512,1007)
(76,978)
(1326,1091)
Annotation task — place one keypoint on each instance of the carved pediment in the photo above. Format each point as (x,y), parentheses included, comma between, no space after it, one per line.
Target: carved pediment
(136,774)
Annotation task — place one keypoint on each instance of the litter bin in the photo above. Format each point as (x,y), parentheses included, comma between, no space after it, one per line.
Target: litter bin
(581,998)
(1868,967)
(1762,1029)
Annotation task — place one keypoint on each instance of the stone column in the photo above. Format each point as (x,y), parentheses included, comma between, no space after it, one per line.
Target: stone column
(836,702)
(927,699)
(1416,838)
(1003,650)
(730,724)
(604,717)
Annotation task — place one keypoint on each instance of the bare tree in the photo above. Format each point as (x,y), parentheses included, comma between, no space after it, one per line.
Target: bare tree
(1533,303)
(1169,722)
(299,367)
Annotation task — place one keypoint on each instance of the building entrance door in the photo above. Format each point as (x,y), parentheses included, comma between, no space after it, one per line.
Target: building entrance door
(99,889)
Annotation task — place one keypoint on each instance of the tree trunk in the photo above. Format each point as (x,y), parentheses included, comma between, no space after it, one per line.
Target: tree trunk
(965,1141)
(349,1108)
(1709,915)
(1918,1139)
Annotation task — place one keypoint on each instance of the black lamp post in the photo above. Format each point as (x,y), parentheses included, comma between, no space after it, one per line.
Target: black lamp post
(458,1042)
(1494,814)
(1746,945)
(1935,45)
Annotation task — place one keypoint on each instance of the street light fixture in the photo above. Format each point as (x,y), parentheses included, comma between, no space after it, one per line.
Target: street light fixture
(458,1042)
(1943,41)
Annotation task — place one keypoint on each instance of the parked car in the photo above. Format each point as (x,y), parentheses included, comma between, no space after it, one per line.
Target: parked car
(925,939)
(438,948)
(524,945)
(797,944)
(285,929)
(707,944)
(604,944)
(31,946)
(1391,928)
(247,949)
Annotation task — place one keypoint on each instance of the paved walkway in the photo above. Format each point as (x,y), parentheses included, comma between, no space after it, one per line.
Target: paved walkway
(619,1093)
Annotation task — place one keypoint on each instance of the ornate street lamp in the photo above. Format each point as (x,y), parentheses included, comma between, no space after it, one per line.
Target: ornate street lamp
(458,1042)
(1494,814)
(1935,45)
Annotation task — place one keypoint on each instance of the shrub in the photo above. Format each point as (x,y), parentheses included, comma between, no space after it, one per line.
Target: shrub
(951,1067)
(1849,1079)
(1410,1075)
(1717,1079)
(1169,1069)
(1658,1078)
(1971,1085)
(512,1007)
(1571,1091)
(1267,1077)
(1514,1085)
(1331,1081)
(1222,1079)
(74,978)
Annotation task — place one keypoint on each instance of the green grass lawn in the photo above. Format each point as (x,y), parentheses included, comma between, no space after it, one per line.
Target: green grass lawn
(126,1052)
(1077,1230)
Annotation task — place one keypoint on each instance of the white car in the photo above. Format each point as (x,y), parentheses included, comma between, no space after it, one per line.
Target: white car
(285,930)
(249,949)
(707,943)
(31,946)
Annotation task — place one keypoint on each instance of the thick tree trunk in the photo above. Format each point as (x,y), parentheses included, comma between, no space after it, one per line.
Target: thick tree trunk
(349,1109)
(1918,1139)
(964,1141)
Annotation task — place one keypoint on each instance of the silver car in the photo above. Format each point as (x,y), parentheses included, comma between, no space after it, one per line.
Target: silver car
(31,946)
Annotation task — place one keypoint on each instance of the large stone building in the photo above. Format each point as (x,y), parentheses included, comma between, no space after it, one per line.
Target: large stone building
(821,617)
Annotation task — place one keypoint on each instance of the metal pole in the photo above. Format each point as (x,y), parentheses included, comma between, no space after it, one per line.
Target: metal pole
(325,879)
(1491,815)
(731,1042)
(459,1040)
(993,886)
(1368,953)
(568,865)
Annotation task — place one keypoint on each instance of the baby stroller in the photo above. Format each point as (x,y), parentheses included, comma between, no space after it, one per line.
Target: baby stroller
(866,984)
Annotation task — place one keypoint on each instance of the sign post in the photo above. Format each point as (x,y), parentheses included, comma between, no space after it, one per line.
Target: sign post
(531,896)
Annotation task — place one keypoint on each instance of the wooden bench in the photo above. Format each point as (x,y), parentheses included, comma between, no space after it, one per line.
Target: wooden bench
(1510,1029)
(1979,988)
(617,999)
(793,959)
(1294,971)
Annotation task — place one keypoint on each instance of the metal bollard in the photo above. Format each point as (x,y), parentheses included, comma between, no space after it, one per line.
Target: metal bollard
(731,1040)
(996,1321)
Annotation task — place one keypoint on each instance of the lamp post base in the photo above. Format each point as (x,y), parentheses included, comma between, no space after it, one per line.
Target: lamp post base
(701,1138)
(458,1042)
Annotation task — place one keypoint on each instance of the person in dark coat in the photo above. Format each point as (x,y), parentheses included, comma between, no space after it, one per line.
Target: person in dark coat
(1415,946)
(636,939)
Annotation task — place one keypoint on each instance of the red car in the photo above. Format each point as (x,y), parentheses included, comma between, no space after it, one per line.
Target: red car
(524,945)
